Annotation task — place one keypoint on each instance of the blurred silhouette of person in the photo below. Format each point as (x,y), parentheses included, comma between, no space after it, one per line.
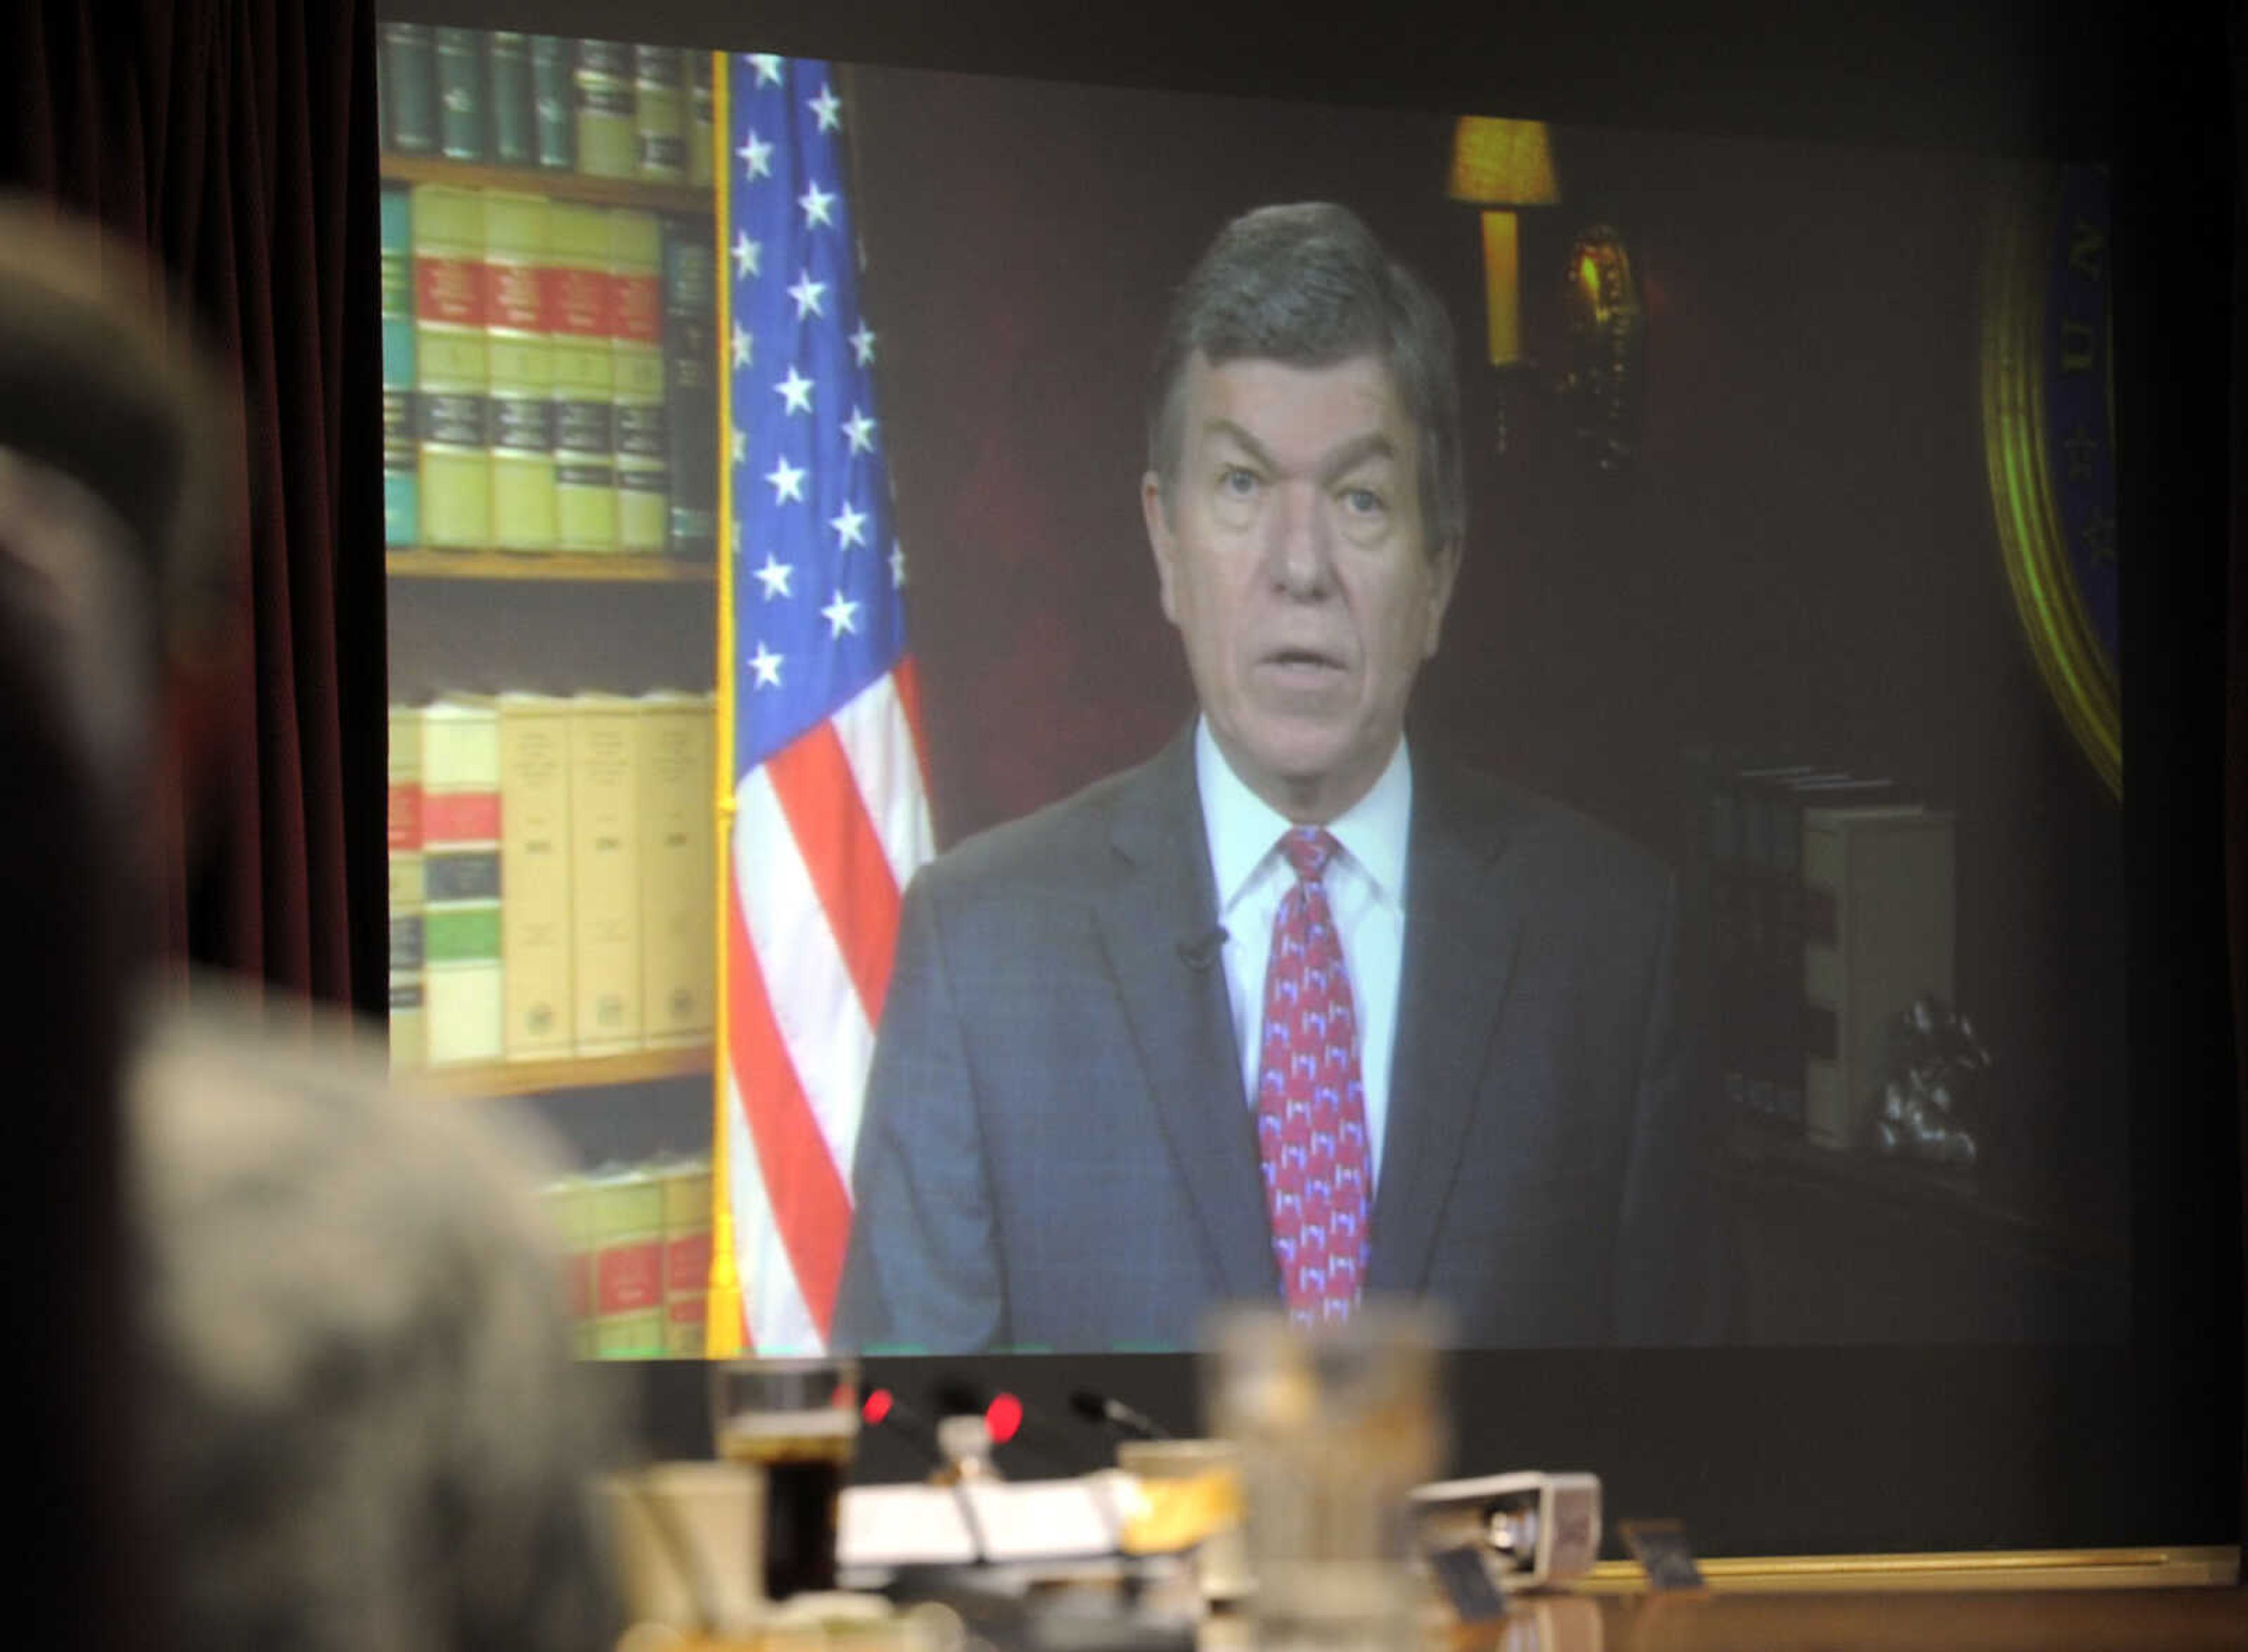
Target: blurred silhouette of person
(347,1418)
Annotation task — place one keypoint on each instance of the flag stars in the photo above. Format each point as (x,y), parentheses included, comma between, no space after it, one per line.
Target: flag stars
(818,205)
(756,158)
(774,576)
(744,347)
(897,566)
(827,108)
(842,614)
(787,482)
(809,296)
(767,664)
(737,445)
(795,391)
(859,430)
(768,67)
(862,345)
(850,526)
(747,255)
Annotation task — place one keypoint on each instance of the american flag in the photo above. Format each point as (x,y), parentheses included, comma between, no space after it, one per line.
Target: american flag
(830,814)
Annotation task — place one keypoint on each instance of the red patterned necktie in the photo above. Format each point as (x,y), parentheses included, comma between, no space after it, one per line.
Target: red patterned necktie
(1310,1103)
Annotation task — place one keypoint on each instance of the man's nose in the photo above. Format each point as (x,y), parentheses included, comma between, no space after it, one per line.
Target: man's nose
(1302,553)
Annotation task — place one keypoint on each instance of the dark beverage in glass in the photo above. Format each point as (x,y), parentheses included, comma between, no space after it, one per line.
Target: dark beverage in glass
(796,1421)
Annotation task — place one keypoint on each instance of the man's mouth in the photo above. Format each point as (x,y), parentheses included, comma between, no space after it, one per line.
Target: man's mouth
(1295,670)
(1303,660)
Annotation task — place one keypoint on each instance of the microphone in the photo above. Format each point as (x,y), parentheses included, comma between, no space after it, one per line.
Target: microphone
(1198,952)
(882,1408)
(1100,1407)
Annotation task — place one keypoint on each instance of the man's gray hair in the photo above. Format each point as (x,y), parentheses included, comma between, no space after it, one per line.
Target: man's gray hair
(1309,286)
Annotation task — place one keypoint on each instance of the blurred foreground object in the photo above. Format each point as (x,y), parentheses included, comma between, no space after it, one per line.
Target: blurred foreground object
(1535,1528)
(349,1402)
(1334,1426)
(795,1423)
(370,1434)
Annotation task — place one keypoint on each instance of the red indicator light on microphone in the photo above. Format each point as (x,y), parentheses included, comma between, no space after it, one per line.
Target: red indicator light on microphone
(876,1407)
(1002,1418)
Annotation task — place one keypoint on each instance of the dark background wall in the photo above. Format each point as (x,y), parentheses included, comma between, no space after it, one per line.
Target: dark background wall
(1803,560)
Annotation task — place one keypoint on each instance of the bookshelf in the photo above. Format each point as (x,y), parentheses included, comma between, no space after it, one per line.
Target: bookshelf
(689,199)
(544,1077)
(620,568)
(550,379)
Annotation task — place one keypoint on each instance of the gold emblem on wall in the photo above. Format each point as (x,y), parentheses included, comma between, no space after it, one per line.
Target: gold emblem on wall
(2048,434)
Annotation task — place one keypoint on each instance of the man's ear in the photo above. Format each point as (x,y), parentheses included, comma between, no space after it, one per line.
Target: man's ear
(1443,576)
(1155,511)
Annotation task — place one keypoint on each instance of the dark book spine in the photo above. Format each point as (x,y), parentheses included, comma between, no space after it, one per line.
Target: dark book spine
(383,140)
(401,459)
(461,93)
(409,73)
(1728,943)
(701,117)
(690,380)
(608,146)
(1784,992)
(659,114)
(552,61)
(514,135)
(1759,911)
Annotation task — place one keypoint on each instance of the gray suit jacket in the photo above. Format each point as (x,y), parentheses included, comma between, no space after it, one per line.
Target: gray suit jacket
(1056,1152)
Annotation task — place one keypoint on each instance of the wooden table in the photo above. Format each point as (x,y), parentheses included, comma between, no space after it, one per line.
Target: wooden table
(2182,1620)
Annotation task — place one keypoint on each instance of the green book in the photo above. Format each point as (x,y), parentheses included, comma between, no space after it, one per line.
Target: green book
(643,452)
(553,102)
(452,359)
(568,1203)
(382,138)
(408,1038)
(410,76)
(700,116)
(514,132)
(660,113)
(585,380)
(627,1244)
(691,385)
(401,512)
(461,131)
(608,145)
(464,1015)
(686,1255)
(522,419)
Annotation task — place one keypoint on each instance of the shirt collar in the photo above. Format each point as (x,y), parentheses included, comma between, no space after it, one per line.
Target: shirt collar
(1243,828)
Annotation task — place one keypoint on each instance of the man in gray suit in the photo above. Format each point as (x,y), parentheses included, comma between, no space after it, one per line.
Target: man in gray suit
(1291,1012)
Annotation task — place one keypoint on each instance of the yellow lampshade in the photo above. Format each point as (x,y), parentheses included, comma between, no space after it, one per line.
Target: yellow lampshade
(1503,163)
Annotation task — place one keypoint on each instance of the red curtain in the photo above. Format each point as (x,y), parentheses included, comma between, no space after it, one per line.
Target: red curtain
(236,140)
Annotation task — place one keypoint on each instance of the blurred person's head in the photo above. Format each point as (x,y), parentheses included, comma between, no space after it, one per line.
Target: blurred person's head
(117,453)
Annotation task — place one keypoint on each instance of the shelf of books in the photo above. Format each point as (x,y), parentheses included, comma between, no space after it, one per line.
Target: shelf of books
(581,188)
(415,563)
(549,364)
(551,888)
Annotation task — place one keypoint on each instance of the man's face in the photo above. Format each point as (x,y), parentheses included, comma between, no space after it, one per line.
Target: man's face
(1293,558)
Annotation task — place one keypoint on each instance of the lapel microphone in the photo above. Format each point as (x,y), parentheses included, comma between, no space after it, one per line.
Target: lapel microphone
(1198,952)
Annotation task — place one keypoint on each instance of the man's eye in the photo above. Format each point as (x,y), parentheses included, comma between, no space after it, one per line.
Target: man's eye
(1237,481)
(1364,502)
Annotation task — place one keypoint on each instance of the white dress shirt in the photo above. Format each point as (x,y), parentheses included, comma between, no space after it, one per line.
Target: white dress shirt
(1366,892)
